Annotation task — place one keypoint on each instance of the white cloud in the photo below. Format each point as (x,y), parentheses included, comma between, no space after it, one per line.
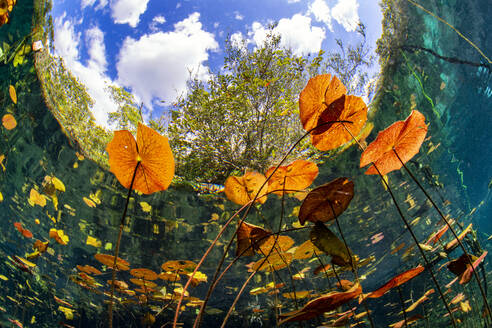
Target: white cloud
(293,1)
(238,16)
(128,11)
(92,74)
(237,40)
(321,12)
(90,3)
(159,64)
(296,33)
(157,20)
(345,12)
(97,49)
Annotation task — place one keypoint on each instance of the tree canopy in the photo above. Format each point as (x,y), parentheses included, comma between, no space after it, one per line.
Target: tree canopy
(246,115)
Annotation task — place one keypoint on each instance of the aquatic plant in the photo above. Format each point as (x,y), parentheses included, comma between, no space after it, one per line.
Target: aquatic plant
(146,165)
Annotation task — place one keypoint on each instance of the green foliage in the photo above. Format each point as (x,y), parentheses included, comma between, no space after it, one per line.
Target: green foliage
(350,63)
(70,103)
(394,30)
(245,116)
(128,114)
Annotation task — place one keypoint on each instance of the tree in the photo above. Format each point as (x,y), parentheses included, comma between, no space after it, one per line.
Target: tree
(244,117)
(350,64)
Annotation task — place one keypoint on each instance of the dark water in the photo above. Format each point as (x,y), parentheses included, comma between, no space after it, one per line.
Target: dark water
(182,222)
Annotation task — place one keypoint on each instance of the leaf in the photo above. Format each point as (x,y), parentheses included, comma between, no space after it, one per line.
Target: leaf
(89,269)
(282,244)
(144,273)
(296,176)
(330,244)
(93,241)
(67,311)
(58,184)
(404,137)
(59,236)
(152,150)
(305,250)
(321,201)
(9,122)
(331,136)
(13,94)
(397,281)
(319,93)
(322,304)
(108,260)
(243,189)
(453,243)
(35,198)
(249,238)
(145,207)
(275,261)
(466,276)
(89,202)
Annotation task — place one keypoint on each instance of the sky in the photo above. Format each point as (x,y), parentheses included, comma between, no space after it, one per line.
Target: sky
(150,47)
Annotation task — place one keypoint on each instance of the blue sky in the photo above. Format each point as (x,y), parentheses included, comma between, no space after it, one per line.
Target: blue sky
(150,46)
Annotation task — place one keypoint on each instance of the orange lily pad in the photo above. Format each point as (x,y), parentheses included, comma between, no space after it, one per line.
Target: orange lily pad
(108,260)
(249,238)
(397,281)
(180,266)
(318,204)
(243,189)
(320,92)
(402,137)
(322,304)
(151,150)
(331,136)
(144,273)
(9,122)
(296,176)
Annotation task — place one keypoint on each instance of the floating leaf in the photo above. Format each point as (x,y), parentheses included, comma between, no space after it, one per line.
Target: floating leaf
(298,294)
(274,262)
(93,241)
(9,122)
(35,198)
(321,201)
(453,243)
(59,236)
(296,176)
(402,137)
(145,207)
(58,184)
(331,136)
(397,281)
(282,244)
(249,238)
(243,189)
(466,276)
(179,266)
(2,157)
(89,202)
(108,260)
(322,304)
(306,250)
(144,273)
(329,243)
(13,94)
(152,151)
(320,92)
(89,269)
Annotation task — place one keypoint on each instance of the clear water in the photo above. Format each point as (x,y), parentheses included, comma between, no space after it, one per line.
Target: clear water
(182,222)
